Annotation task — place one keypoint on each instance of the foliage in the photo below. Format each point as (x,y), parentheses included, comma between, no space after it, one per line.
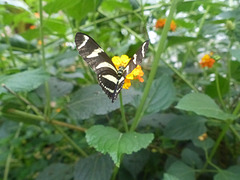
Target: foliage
(182,122)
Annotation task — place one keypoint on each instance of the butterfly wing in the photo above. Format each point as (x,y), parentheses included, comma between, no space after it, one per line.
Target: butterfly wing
(99,61)
(136,59)
(132,64)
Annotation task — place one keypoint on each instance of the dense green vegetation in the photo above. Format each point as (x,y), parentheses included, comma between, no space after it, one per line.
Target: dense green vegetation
(181,123)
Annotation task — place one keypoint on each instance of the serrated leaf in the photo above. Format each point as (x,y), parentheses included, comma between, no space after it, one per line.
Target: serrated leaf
(91,100)
(203,105)
(110,140)
(103,167)
(185,127)
(24,81)
(232,173)
(181,171)
(162,94)
(58,171)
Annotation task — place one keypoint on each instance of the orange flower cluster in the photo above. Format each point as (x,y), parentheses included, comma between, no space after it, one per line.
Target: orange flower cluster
(137,73)
(161,22)
(207,61)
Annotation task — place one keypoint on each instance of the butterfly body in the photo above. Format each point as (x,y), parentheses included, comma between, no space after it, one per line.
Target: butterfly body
(109,77)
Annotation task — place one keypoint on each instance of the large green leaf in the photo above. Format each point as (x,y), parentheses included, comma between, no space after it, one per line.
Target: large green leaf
(162,94)
(185,127)
(232,173)
(58,171)
(24,81)
(57,88)
(211,89)
(135,162)
(167,176)
(191,158)
(235,70)
(91,100)
(94,167)
(203,105)
(181,171)
(111,141)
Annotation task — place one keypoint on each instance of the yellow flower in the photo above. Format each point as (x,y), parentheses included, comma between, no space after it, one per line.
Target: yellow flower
(202,137)
(207,61)
(137,73)
(161,22)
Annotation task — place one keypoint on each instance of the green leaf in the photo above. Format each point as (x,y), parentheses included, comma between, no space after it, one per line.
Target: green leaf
(57,88)
(206,144)
(162,94)
(24,81)
(134,163)
(58,171)
(232,173)
(181,171)
(211,89)
(167,176)
(88,101)
(82,8)
(111,141)
(56,5)
(202,105)
(55,26)
(103,167)
(235,70)
(174,40)
(191,158)
(185,127)
(235,53)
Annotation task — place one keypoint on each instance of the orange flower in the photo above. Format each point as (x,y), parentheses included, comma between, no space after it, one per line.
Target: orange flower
(207,61)
(137,73)
(32,27)
(161,22)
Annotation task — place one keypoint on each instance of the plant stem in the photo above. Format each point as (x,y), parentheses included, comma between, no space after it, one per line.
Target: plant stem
(218,89)
(9,157)
(123,113)
(83,153)
(153,71)
(47,92)
(216,145)
(40,118)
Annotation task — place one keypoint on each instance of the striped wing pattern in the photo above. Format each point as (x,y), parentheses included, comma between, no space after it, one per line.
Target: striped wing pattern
(108,76)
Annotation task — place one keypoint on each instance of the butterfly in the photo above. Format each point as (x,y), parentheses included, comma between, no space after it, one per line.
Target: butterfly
(109,77)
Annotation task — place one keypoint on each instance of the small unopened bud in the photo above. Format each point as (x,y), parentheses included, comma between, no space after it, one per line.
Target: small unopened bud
(230,25)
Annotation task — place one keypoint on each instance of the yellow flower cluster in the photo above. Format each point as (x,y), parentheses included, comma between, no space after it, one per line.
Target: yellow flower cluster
(137,73)
(207,61)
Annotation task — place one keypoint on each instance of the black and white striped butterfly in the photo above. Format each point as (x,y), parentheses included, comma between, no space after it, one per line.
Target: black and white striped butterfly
(109,78)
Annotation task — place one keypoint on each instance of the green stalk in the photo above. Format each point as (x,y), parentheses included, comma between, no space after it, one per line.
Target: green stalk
(74,145)
(216,145)
(236,110)
(155,63)
(218,89)
(47,92)
(9,48)
(123,113)
(9,157)
(189,48)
